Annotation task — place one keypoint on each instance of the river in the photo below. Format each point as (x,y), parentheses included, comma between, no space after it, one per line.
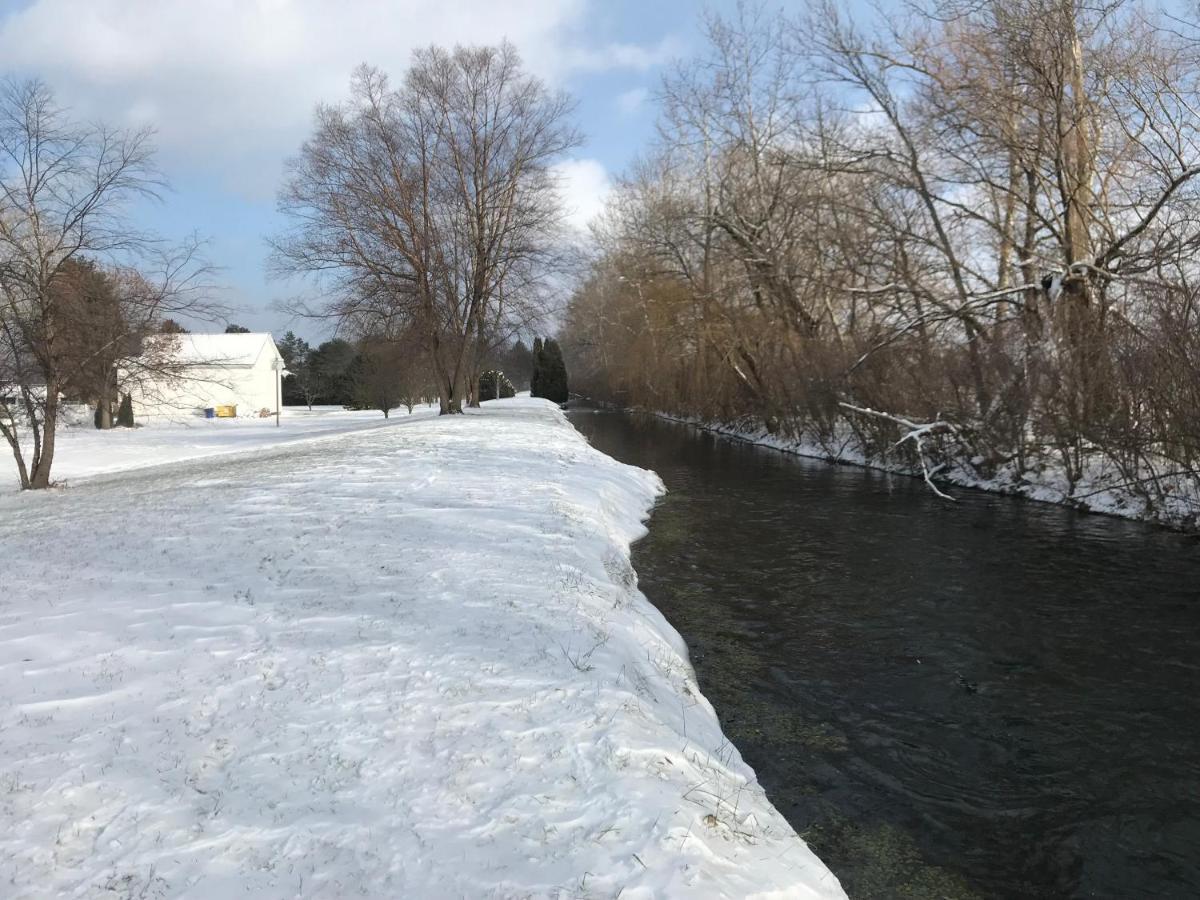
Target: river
(993,698)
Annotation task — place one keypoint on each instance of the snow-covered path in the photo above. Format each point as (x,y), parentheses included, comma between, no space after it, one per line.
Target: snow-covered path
(84,452)
(404,662)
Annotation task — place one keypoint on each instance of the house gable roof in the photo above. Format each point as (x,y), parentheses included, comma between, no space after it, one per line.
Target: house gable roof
(224,349)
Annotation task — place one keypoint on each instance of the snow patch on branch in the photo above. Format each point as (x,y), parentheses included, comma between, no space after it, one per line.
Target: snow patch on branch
(917,432)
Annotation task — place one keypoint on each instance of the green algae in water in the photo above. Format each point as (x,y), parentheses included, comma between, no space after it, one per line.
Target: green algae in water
(672,525)
(882,862)
(793,734)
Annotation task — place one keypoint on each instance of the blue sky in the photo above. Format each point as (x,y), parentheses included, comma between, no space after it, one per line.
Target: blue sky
(230,85)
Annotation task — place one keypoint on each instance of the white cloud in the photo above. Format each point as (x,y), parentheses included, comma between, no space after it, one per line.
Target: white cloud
(584,186)
(631,101)
(637,57)
(230,84)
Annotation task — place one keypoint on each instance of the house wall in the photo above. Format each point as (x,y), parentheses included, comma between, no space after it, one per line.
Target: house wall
(250,388)
(12,406)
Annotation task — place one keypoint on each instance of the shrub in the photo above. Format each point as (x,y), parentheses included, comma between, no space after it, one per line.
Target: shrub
(125,412)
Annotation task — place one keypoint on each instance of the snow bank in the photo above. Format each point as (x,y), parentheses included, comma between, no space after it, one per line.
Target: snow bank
(1102,488)
(406,661)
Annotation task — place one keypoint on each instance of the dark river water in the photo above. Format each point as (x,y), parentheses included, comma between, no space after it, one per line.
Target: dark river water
(993,698)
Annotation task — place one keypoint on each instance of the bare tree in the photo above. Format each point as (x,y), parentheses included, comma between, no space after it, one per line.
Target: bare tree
(951,238)
(392,371)
(63,190)
(433,204)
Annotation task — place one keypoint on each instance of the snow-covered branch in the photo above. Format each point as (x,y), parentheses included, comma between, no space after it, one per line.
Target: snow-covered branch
(917,432)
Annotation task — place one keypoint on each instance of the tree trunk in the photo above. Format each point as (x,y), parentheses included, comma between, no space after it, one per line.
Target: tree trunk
(22,469)
(450,391)
(458,388)
(983,396)
(474,394)
(39,477)
(452,384)
(1079,159)
(105,406)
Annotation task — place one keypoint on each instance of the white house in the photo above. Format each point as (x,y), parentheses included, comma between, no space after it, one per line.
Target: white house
(206,371)
(12,405)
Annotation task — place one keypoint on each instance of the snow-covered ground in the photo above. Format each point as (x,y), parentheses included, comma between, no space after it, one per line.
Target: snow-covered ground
(405,661)
(82,451)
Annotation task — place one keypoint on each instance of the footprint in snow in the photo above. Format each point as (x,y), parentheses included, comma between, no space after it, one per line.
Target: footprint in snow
(273,678)
(206,774)
(75,842)
(200,721)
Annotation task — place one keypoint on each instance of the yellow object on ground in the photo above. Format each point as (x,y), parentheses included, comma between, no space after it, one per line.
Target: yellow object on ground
(226,412)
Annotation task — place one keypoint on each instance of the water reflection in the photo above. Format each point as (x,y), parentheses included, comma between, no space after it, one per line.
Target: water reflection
(991,698)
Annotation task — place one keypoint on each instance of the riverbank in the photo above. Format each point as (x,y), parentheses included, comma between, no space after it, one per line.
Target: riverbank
(410,660)
(1102,489)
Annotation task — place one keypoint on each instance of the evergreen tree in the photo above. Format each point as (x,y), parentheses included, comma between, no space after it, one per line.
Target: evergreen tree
(125,413)
(535,375)
(494,384)
(236,329)
(553,380)
(91,335)
(300,386)
(333,367)
(292,348)
(518,364)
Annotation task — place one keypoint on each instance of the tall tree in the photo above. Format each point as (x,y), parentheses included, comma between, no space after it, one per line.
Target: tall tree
(552,382)
(333,368)
(301,384)
(980,261)
(433,204)
(537,363)
(63,189)
(93,336)
(518,364)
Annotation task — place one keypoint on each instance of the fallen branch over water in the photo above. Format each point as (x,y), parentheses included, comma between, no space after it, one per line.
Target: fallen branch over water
(917,432)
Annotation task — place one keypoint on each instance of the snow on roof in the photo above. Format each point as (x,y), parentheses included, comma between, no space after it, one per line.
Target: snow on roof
(223,349)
